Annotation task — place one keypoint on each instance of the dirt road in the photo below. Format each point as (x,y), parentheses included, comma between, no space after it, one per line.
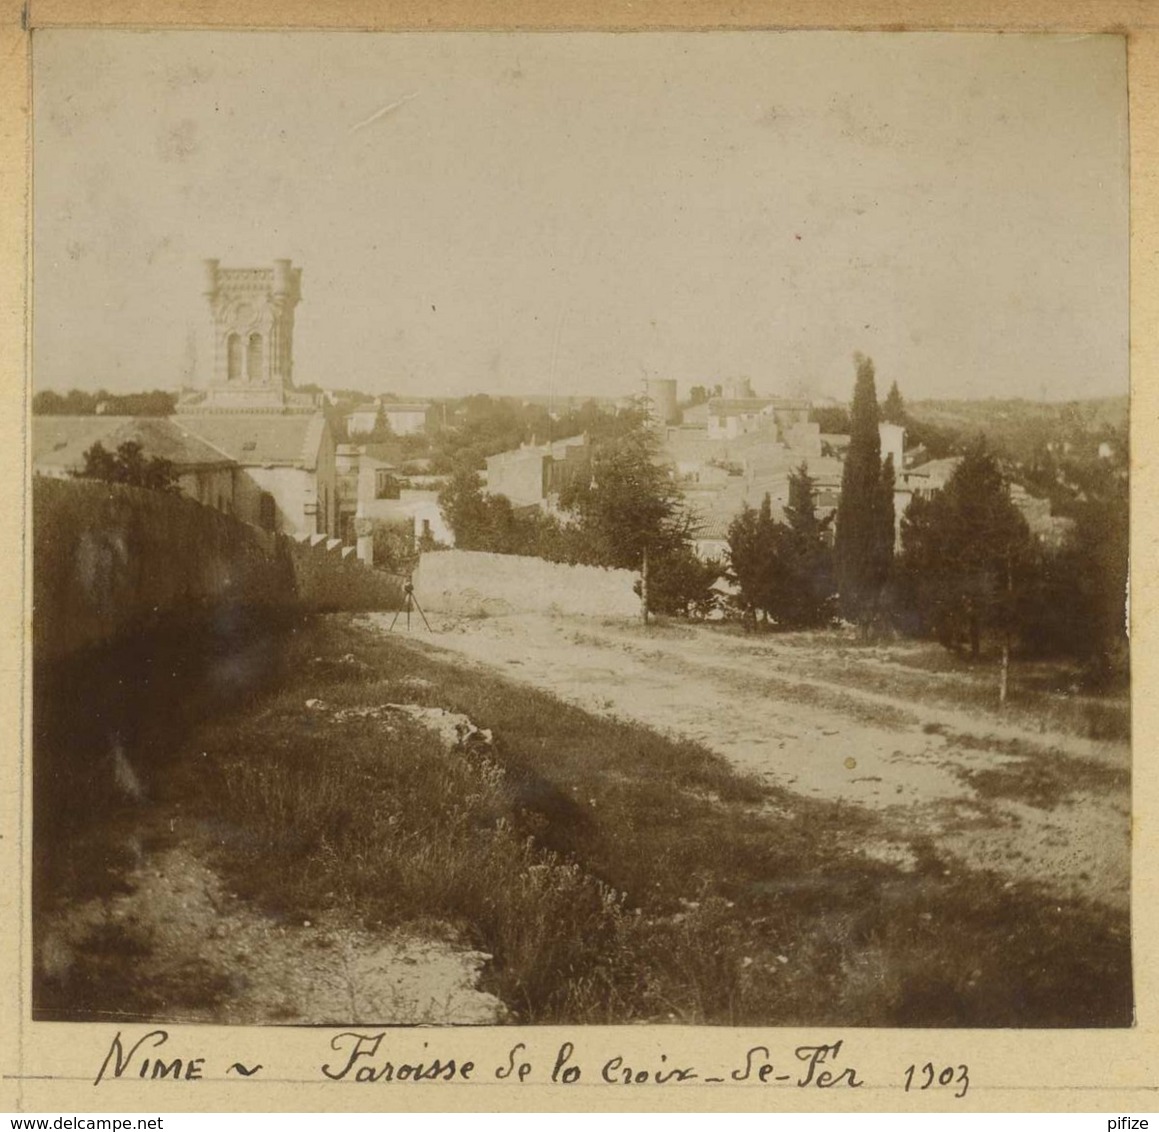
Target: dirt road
(1017,793)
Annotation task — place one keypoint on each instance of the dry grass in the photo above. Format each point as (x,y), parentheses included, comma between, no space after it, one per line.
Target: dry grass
(614,874)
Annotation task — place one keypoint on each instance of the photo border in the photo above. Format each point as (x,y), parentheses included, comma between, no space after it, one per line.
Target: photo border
(50,1066)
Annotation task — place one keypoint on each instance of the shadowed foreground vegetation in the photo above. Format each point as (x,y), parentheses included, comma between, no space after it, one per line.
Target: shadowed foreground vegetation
(612,873)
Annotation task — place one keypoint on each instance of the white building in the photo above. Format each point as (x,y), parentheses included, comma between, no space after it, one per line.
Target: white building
(406,418)
(363,419)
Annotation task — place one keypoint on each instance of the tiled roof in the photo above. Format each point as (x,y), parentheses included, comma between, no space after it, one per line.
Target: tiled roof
(61,442)
(557,449)
(164,437)
(727,407)
(711,527)
(261,439)
(943,467)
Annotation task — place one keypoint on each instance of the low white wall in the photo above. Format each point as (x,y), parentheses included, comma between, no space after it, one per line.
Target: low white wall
(474,583)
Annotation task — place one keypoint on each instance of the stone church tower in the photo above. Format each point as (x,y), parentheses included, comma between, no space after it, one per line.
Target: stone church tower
(253,337)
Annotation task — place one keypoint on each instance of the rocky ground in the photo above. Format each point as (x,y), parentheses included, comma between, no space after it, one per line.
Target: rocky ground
(260,970)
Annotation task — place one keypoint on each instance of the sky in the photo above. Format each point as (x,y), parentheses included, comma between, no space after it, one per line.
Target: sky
(572,213)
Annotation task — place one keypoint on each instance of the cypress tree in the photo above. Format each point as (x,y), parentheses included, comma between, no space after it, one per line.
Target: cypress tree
(884,529)
(857,545)
(894,408)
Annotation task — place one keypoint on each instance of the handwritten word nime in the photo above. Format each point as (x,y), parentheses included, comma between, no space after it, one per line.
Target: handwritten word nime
(140,1061)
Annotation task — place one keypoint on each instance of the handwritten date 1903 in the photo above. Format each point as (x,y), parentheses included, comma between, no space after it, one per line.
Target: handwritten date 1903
(919,1078)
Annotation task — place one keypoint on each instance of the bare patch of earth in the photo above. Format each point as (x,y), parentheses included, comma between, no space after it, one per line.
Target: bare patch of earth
(1028,801)
(204,955)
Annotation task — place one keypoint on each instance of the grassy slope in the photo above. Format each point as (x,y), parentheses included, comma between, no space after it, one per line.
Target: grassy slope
(615,874)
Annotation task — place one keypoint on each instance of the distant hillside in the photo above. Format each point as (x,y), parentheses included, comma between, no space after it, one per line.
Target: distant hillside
(1018,428)
(1094,415)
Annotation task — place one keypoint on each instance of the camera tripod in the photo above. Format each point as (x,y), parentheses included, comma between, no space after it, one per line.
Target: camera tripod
(410,601)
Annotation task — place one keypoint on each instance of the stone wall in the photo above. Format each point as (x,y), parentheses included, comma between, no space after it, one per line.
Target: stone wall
(326,581)
(110,561)
(474,583)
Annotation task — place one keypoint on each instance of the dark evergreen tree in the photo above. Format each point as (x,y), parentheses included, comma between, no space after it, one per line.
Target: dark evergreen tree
(1078,606)
(967,557)
(858,546)
(681,585)
(893,409)
(129,465)
(1100,545)
(805,599)
(885,530)
(753,559)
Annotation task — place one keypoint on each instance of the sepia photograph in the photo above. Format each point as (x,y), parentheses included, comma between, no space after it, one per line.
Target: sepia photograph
(580,529)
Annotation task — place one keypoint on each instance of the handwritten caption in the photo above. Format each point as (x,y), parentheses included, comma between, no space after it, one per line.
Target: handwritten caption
(365,1058)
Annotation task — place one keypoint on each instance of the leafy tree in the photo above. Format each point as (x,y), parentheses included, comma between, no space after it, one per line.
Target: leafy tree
(1078,607)
(681,585)
(831,418)
(697,395)
(938,441)
(76,403)
(156,403)
(629,511)
(967,556)
(1100,545)
(627,514)
(394,543)
(482,426)
(100,464)
(861,561)
(128,465)
(491,523)
(462,504)
(893,408)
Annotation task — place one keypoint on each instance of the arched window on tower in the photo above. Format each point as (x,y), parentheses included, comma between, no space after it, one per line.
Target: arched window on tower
(253,361)
(233,357)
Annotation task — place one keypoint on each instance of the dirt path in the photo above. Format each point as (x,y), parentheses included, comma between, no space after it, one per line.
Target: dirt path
(1029,802)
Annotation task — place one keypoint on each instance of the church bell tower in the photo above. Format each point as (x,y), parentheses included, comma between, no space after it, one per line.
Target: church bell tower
(253,334)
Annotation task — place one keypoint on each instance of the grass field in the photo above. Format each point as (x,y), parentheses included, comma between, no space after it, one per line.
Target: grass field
(611,873)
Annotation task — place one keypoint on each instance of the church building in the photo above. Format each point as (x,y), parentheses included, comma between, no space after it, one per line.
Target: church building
(249,410)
